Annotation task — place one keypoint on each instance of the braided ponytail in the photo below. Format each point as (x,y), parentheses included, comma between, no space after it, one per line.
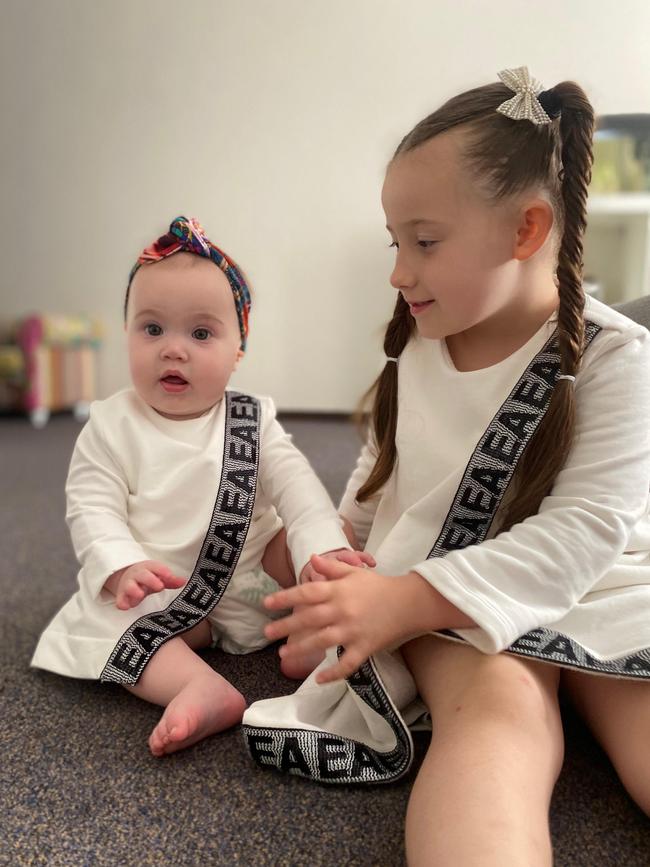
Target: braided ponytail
(548,450)
(384,411)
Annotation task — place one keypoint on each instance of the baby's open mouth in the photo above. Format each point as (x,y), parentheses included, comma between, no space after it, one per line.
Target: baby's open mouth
(174,383)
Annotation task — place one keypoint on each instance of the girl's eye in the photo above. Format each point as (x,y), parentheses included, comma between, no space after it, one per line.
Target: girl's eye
(201,333)
(153,330)
(426,244)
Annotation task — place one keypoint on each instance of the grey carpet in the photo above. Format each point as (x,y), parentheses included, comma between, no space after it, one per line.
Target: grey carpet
(79,787)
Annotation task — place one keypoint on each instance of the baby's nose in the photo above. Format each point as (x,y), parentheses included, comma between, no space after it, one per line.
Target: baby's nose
(174,348)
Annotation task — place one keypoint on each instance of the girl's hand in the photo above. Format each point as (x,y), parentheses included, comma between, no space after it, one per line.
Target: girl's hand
(132,584)
(361,610)
(344,555)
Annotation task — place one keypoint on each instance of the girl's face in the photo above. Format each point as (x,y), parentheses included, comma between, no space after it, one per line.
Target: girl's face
(182,335)
(454,252)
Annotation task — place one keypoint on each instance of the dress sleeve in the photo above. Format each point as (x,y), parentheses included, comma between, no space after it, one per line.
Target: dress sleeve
(97,509)
(306,509)
(536,572)
(361,515)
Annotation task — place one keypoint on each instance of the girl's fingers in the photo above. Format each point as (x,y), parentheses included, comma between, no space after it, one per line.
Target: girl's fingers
(310,593)
(316,576)
(303,620)
(321,640)
(331,569)
(348,663)
(368,559)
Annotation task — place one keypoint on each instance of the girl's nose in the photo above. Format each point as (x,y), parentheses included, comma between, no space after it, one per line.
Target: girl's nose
(402,276)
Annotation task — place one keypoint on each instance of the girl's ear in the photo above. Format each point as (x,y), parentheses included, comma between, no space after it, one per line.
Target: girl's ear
(535,224)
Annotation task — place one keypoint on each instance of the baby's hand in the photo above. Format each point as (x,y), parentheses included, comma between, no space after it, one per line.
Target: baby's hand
(131,584)
(344,555)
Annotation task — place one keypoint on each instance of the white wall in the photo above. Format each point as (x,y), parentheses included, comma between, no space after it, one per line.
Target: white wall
(272,122)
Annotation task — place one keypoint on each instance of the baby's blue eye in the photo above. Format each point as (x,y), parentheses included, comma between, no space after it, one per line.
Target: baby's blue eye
(153,330)
(201,333)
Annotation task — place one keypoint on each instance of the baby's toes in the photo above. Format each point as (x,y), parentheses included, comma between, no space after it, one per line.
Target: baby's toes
(159,738)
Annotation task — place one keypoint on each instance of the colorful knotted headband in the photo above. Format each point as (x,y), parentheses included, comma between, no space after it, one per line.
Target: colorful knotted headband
(188,236)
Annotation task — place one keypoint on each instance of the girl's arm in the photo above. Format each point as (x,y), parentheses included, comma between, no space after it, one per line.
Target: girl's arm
(361,610)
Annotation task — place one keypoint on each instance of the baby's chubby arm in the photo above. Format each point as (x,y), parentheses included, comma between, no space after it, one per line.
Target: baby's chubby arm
(97,494)
(303,504)
(131,584)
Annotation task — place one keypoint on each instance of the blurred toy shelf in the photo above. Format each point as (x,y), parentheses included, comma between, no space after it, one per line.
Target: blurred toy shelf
(48,362)
(617,245)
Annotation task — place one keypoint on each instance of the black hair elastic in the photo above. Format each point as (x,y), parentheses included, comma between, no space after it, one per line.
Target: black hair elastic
(551,103)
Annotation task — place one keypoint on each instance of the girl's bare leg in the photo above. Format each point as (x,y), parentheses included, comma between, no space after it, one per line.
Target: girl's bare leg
(198,701)
(618,713)
(482,794)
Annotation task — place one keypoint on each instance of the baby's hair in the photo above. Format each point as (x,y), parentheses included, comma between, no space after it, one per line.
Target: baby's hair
(506,157)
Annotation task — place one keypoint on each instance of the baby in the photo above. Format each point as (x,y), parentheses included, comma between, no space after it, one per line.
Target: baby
(183,497)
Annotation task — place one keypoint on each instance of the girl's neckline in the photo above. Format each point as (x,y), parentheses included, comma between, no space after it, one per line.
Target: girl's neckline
(540,336)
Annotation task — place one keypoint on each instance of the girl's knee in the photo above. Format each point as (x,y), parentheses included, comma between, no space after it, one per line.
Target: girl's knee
(512,699)
(514,706)
(470,694)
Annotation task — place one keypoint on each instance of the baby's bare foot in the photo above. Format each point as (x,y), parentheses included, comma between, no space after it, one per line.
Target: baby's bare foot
(205,706)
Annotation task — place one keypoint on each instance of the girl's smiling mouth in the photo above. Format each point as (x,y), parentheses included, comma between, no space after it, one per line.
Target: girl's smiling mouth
(417,307)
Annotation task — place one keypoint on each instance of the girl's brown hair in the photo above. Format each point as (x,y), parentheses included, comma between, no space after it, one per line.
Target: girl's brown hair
(505,158)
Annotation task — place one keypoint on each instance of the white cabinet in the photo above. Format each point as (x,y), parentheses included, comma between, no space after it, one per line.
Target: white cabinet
(617,244)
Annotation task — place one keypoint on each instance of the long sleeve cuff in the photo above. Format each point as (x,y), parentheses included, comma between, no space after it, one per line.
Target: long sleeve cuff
(316,539)
(494,631)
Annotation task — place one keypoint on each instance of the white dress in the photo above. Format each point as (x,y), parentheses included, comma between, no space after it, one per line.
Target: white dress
(143,487)
(569,585)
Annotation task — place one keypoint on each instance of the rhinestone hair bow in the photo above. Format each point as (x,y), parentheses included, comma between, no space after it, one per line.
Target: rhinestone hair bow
(525,105)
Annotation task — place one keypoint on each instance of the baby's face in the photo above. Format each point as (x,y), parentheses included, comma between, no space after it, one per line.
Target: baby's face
(182,334)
